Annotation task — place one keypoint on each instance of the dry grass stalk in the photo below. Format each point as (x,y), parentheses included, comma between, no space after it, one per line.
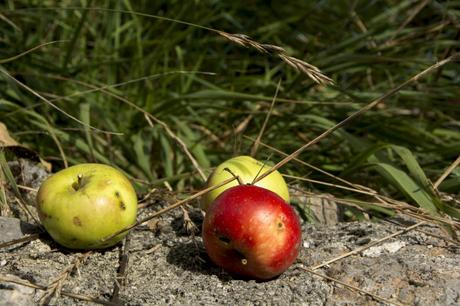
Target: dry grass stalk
(10,59)
(357,114)
(383,201)
(211,136)
(401,207)
(149,117)
(414,13)
(36,94)
(355,186)
(240,39)
(19,240)
(171,134)
(329,184)
(54,288)
(120,279)
(188,224)
(446,239)
(353,288)
(8,279)
(311,71)
(264,125)
(367,246)
(170,207)
(447,172)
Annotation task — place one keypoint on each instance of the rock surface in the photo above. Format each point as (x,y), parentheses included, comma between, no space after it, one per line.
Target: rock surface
(169,266)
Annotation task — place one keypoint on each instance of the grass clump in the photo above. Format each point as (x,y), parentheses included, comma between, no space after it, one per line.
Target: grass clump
(166,90)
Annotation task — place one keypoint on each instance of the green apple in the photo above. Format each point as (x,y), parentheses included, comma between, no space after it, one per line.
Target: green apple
(81,205)
(247,168)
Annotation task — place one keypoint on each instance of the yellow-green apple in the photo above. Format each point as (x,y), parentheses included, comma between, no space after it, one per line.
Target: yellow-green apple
(247,168)
(81,205)
(252,232)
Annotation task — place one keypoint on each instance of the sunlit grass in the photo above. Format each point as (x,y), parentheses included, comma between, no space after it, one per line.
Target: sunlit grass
(164,100)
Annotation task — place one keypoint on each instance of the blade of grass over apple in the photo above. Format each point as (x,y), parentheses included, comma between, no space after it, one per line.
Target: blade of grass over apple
(313,167)
(357,114)
(171,207)
(388,205)
(140,149)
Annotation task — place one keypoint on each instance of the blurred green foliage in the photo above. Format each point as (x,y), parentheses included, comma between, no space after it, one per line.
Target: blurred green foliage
(210,92)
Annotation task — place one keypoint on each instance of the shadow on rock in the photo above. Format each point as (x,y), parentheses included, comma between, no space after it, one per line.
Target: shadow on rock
(55,247)
(191,256)
(181,225)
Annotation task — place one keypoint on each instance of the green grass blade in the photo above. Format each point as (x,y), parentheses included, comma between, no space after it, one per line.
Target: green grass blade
(416,172)
(404,183)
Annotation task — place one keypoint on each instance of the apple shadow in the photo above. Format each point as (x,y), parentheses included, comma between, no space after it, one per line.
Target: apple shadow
(28,228)
(45,238)
(178,225)
(191,256)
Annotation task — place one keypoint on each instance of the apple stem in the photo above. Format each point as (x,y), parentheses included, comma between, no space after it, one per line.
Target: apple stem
(244,261)
(235,176)
(76,186)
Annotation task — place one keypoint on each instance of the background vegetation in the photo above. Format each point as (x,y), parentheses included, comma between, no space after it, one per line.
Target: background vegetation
(88,93)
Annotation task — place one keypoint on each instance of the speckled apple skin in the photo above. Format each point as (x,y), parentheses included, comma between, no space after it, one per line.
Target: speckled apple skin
(79,218)
(247,168)
(251,231)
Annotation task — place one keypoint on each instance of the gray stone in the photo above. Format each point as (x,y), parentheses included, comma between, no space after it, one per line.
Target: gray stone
(13,228)
(170,267)
(16,295)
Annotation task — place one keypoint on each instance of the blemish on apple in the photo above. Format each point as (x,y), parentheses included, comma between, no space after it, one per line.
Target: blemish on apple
(224,239)
(77,221)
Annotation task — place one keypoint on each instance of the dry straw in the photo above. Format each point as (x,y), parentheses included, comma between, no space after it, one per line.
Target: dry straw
(311,71)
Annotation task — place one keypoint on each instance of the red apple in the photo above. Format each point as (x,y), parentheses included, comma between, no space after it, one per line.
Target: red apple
(252,232)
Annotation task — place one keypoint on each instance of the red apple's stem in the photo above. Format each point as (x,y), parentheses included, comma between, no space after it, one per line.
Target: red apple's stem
(244,261)
(235,176)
